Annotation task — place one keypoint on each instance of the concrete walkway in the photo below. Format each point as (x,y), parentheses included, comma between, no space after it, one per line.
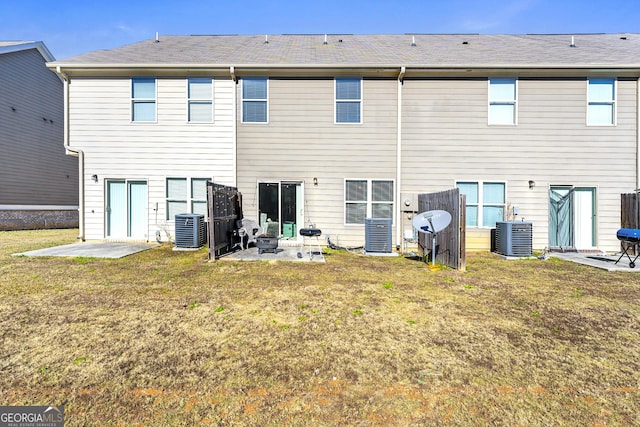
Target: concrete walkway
(92,250)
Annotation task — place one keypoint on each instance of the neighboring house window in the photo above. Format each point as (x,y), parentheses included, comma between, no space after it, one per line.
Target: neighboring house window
(503,101)
(485,202)
(186,195)
(200,100)
(254,100)
(348,100)
(601,95)
(143,100)
(367,198)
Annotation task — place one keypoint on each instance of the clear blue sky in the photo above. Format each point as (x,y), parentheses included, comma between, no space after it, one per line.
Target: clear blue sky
(69,27)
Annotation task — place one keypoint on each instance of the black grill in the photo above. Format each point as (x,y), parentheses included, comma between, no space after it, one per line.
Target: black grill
(631,236)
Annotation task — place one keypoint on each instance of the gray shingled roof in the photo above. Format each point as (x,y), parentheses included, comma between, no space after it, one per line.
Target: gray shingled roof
(430,50)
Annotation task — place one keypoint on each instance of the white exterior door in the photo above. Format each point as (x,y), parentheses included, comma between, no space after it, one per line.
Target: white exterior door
(583,217)
(572,217)
(138,222)
(116,209)
(126,210)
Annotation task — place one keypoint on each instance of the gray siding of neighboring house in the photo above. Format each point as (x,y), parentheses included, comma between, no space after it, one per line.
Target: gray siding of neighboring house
(302,142)
(117,148)
(446,138)
(34,170)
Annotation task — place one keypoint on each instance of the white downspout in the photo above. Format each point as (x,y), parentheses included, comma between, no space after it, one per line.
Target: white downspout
(76,152)
(234,130)
(400,219)
(637,152)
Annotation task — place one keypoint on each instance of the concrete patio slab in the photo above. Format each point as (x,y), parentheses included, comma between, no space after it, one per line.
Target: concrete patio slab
(283,253)
(602,261)
(92,250)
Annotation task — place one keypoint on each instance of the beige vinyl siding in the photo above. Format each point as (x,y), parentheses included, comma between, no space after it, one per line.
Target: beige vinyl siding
(446,138)
(117,148)
(301,141)
(34,169)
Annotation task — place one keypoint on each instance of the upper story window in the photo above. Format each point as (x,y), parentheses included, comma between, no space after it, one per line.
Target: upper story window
(601,95)
(503,95)
(348,100)
(255,100)
(200,100)
(485,202)
(143,100)
(367,198)
(186,195)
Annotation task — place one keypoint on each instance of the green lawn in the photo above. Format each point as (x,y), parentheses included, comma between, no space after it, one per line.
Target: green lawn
(166,338)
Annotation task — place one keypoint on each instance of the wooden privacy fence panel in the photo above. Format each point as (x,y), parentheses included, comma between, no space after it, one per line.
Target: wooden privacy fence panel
(630,213)
(224,205)
(450,242)
(630,217)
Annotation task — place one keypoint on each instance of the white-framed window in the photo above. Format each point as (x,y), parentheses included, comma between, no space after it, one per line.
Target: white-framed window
(255,100)
(367,198)
(485,202)
(348,100)
(601,100)
(503,101)
(200,100)
(186,195)
(143,99)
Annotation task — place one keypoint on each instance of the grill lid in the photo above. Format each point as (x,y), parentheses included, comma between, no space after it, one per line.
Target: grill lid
(629,235)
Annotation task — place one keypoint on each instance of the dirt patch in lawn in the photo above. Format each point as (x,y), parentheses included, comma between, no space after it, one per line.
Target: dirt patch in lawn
(167,338)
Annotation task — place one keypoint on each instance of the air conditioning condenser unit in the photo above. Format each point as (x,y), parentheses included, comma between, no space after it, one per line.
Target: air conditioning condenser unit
(377,235)
(191,231)
(514,238)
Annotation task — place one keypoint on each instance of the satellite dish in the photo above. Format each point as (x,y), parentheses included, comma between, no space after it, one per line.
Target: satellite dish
(431,221)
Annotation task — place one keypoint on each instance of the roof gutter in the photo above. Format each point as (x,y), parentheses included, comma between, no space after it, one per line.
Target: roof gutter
(451,67)
(75,152)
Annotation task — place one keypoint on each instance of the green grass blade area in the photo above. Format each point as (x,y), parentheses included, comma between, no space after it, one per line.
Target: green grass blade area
(167,338)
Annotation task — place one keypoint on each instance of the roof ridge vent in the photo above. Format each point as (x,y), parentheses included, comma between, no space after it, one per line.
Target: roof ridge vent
(573,42)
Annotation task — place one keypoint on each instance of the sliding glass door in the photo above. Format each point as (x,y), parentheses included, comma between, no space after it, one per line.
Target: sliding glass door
(281,208)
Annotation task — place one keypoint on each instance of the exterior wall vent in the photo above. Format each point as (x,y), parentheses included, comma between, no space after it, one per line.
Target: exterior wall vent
(191,231)
(377,235)
(514,238)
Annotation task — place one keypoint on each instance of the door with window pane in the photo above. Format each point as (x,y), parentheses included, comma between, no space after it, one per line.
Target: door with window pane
(281,208)
(126,210)
(572,217)
(116,209)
